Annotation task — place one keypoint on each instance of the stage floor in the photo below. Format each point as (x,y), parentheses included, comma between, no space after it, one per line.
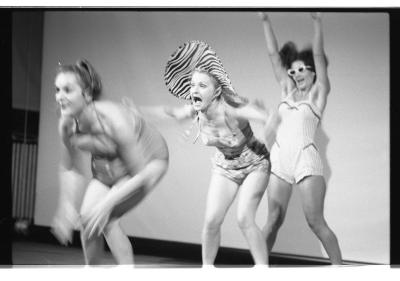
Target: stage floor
(28,254)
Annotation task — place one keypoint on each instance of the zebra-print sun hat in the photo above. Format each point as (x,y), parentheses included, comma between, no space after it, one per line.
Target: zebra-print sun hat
(188,57)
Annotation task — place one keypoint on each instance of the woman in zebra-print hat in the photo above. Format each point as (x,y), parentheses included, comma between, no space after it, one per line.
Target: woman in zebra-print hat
(195,73)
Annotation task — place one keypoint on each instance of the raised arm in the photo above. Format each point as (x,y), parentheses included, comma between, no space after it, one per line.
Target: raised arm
(254,111)
(273,50)
(322,81)
(183,113)
(268,118)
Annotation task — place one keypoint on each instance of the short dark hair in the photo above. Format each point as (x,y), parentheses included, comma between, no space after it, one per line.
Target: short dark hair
(289,53)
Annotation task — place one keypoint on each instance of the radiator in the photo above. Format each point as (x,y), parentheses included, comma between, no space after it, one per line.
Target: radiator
(24,164)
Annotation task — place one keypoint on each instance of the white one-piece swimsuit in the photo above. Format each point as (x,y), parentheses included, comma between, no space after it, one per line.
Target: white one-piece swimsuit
(294,154)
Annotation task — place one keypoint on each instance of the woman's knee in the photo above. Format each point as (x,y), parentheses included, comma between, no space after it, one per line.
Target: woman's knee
(245,220)
(114,233)
(316,222)
(212,223)
(276,215)
(111,226)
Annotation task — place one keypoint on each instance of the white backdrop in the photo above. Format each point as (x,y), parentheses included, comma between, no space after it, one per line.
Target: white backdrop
(130,49)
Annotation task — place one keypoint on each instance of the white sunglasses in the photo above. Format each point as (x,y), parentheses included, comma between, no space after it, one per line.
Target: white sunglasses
(300,69)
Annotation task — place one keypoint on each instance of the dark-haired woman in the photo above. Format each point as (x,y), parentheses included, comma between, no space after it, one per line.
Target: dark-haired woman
(294,156)
(129,157)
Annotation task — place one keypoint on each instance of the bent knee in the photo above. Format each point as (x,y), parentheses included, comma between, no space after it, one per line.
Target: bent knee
(316,223)
(112,225)
(276,215)
(245,221)
(212,224)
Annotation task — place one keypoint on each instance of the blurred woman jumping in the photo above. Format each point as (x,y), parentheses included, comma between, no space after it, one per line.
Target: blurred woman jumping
(128,158)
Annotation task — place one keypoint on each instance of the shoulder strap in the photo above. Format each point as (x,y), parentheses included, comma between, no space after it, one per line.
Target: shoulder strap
(77,130)
(197,120)
(228,119)
(98,118)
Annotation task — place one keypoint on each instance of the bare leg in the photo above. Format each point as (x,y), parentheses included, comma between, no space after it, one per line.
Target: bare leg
(220,196)
(93,247)
(119,244)
(250,195)
(279,193)
(312,191)
(117,240)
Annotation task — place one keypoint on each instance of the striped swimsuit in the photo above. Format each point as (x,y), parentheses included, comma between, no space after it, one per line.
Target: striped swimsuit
(294,154)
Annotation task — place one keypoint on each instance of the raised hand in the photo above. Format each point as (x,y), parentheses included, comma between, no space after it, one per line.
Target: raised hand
(263,16)
(259,104)
(316,16)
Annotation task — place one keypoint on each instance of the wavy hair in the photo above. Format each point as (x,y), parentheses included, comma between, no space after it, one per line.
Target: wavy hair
(88,78)
(289,53)
(233,99)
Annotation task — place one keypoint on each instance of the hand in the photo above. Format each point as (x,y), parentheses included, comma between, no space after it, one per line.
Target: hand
(66,125)
(316,16)
(263,16)
(62,231)
(188,136)
(73,140)
(81,141)
(96,219)
(64,223)
(259,104)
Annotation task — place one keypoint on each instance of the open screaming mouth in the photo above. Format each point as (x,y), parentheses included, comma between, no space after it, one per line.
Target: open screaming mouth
(196,99)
